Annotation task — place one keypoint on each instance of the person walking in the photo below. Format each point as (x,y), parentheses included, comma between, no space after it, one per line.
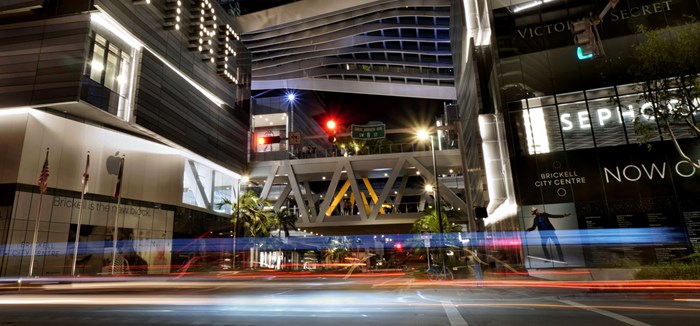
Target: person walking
(546,229)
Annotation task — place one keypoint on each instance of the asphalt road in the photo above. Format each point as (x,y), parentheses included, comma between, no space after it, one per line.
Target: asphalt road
(328,301)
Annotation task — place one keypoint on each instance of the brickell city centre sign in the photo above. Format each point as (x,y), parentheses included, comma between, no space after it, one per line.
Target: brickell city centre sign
(369,131)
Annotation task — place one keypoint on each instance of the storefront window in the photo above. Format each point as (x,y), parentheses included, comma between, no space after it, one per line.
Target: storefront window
(576,125)
(606,121)
(631,107)
(205,187)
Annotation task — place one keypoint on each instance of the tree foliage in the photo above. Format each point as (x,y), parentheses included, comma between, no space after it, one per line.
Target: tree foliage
(429,222)
(285,220)
(667,63)
(248,213)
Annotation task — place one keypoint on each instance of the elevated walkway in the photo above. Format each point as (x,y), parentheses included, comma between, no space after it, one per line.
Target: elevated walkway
(379,189)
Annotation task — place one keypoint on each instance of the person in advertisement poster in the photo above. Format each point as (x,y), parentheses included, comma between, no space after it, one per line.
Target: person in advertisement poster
(546,229)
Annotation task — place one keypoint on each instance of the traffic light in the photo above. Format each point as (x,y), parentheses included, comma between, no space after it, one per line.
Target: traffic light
(330,124)
(585,39)
(266,140)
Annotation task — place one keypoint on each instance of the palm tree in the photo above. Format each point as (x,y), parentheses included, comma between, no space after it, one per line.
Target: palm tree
(285,220)
(248,212)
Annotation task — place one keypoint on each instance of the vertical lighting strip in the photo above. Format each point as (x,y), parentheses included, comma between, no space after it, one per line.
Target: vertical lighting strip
(536,130)
(467,4)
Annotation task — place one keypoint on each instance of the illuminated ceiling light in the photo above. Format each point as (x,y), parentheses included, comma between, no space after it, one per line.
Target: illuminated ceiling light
(530,5)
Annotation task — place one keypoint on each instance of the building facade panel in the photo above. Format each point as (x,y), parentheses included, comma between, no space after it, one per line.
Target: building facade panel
(43,63)
(173,108)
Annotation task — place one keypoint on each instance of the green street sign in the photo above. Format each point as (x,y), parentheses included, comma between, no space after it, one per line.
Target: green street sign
(373,131)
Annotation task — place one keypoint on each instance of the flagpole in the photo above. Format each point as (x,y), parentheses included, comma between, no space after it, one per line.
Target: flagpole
(116,216)
(36,235)
(42,187)
(115,235)
(80,213)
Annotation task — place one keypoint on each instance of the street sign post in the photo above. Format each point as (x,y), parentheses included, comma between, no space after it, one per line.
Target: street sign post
(426,236)
(295,138)
(369,131)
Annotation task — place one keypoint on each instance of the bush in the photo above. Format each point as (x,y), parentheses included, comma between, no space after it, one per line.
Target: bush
(672,271)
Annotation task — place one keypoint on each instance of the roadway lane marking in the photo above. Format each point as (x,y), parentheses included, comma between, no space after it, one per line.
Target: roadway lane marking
(453,314)
(606,313)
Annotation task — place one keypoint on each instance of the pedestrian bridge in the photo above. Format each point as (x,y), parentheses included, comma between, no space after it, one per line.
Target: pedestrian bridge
(360,191)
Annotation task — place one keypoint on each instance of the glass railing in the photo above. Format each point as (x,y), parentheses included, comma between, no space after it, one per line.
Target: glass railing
(305,152)
(403,208)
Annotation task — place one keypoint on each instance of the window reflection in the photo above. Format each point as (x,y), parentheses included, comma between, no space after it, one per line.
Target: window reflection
(106,80)
(205,187)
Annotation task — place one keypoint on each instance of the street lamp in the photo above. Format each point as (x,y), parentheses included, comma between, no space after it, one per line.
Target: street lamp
(242,180)
(291,97)
(423,135)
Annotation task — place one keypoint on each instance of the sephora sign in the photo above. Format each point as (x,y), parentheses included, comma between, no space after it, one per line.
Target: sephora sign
(609,116)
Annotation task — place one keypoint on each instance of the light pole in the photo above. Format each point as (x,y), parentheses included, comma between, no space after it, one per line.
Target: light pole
(243,179)
(423,135)
(291,97)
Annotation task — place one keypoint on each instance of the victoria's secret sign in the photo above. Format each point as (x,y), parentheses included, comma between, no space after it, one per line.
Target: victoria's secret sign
(613,16)
(549,25)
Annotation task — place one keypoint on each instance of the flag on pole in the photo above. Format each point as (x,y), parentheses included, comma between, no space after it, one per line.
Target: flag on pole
(44,175)
(86,175)
(117,192)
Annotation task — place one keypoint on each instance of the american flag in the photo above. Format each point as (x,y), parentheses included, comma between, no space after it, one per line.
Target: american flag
(44,175)
(86,175)
(117,192)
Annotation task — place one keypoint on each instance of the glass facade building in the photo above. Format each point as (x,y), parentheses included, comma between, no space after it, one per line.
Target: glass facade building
(571,135)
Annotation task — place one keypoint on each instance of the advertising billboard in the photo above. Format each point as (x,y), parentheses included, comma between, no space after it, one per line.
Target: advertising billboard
(628,187)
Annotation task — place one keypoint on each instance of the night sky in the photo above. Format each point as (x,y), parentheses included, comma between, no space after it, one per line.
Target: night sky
(395,112)
(347,108)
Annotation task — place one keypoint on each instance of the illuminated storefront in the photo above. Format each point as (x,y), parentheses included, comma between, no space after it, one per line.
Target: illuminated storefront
(571,134)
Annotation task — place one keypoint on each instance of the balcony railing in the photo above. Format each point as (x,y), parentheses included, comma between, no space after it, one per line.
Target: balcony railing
(305,152)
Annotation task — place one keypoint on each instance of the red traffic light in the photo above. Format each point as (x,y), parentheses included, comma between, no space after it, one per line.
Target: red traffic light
(330,124)
(269,140)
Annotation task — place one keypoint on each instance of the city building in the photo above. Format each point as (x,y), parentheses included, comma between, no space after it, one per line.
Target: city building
(545,119)
(155,92)
(570,122)
(539,111)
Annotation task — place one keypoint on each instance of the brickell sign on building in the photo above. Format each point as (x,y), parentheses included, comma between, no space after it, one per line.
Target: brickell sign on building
(371,131)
